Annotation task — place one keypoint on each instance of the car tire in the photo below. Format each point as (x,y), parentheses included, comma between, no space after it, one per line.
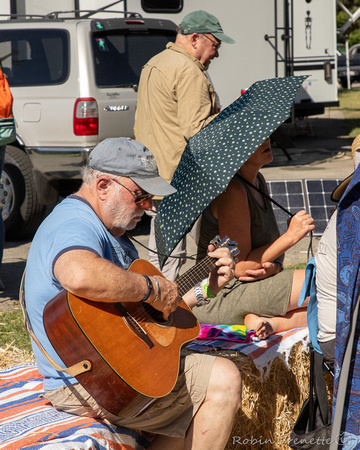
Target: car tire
(21,211)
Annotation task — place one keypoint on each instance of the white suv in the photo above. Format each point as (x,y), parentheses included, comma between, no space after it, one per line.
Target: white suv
(74,83)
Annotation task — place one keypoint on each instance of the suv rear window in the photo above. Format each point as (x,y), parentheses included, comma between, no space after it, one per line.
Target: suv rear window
(31,57)
(119,58)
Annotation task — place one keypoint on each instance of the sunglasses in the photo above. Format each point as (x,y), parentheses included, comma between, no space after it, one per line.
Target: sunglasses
(140,199)
(215,44)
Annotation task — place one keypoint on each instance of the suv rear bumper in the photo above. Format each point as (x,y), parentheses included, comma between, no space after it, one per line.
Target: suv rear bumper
(53,167)
(58,163)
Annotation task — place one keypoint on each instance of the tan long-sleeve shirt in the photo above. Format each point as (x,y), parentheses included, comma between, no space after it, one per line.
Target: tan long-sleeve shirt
(175,100)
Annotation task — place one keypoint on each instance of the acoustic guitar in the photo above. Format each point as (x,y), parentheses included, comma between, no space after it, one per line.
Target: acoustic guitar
(133,352)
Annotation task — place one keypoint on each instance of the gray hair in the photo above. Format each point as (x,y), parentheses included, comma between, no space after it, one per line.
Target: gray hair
(90,175)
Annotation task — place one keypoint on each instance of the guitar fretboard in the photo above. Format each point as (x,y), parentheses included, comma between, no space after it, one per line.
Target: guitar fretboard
(188,280)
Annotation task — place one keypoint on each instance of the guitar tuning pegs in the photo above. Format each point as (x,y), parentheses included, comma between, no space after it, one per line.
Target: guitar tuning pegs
(216,240)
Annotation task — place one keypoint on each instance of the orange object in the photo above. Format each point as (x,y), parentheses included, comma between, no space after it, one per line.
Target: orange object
(6,98)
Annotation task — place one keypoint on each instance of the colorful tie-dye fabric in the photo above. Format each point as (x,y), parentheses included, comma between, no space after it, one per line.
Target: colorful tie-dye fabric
(234,333)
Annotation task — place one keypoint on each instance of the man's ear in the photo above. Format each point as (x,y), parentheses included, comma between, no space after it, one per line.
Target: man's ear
(194,39)
(102,185)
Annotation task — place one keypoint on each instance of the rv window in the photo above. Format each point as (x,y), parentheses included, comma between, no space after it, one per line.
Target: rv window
(162,6)
(34,57)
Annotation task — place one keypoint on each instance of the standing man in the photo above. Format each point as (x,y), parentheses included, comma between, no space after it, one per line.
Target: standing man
(81,247)
(175,101)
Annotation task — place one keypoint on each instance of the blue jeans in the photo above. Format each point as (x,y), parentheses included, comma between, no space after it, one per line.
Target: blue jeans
(2,227)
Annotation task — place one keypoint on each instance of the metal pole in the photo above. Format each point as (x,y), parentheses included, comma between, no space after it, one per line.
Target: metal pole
(348,81)
(276,39)
(77,7)
(13,7)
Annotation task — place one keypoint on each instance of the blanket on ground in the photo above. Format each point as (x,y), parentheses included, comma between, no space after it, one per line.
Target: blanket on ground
(28,421)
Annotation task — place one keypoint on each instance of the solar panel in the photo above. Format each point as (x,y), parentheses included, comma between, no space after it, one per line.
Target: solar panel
(288,194)
(311,195)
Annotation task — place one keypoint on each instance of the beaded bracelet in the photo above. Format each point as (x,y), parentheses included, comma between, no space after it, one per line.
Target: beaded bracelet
(150,287)
(206,288)
(157,292)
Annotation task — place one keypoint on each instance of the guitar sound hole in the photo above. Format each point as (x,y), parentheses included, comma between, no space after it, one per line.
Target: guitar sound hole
(154,313)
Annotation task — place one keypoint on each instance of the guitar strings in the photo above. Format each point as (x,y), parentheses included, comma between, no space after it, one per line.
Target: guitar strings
(184,282)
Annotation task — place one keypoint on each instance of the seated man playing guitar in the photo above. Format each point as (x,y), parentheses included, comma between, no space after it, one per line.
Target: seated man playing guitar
(82,302)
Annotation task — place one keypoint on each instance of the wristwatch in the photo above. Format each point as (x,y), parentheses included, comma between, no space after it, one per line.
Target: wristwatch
(199,295)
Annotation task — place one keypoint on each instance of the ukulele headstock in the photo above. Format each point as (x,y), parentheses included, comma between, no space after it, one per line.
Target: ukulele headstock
(226,242)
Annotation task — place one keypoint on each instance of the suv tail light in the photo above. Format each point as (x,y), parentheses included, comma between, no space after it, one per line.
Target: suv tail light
(86,117)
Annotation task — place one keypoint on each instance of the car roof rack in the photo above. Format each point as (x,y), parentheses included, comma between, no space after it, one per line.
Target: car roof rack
(92,12)
(78,13)
(22,16)
(89,12)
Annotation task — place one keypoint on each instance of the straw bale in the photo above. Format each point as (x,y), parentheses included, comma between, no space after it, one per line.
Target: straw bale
(12,356)
(271,403)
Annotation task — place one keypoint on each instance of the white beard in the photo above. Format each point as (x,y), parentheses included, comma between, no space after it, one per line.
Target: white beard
(119,215)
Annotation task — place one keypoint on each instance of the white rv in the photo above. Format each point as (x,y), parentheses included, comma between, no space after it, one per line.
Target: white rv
(273,38)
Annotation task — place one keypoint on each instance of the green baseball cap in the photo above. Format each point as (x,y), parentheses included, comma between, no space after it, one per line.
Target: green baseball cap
(203,22)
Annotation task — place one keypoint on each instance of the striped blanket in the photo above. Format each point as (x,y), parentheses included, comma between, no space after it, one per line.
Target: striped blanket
(262,352)
(28,421)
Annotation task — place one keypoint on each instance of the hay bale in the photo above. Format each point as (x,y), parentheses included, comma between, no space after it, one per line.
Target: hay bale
(11,356)
(271,403)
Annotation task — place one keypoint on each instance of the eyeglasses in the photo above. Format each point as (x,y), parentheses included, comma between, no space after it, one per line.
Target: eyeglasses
(215,44)
(140,199)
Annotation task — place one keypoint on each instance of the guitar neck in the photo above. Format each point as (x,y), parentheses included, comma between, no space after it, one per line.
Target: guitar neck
(188,280)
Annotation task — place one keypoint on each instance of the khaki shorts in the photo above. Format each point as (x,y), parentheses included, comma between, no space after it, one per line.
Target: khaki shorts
(268,297)
(170,415)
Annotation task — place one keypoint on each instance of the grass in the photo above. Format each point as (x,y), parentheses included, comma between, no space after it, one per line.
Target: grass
(296,266)
(349,104)
(12,330)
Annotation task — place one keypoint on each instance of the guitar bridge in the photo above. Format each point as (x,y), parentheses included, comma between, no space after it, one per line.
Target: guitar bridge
(134,324)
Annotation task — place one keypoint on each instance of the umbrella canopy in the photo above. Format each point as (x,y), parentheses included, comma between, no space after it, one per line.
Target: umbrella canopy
(215,154)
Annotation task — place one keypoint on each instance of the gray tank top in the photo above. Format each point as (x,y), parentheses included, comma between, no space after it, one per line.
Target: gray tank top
(264,228)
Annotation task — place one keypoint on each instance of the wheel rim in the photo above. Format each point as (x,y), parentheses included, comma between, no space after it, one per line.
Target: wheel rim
(6,195)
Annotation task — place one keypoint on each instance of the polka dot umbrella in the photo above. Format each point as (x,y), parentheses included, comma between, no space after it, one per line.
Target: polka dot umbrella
(215,154)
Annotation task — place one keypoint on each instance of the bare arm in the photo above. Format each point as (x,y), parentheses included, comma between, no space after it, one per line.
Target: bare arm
(232,210)
(85,274)
(218,277)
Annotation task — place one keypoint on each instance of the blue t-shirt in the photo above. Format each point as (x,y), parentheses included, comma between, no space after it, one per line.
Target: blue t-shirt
(72,225)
